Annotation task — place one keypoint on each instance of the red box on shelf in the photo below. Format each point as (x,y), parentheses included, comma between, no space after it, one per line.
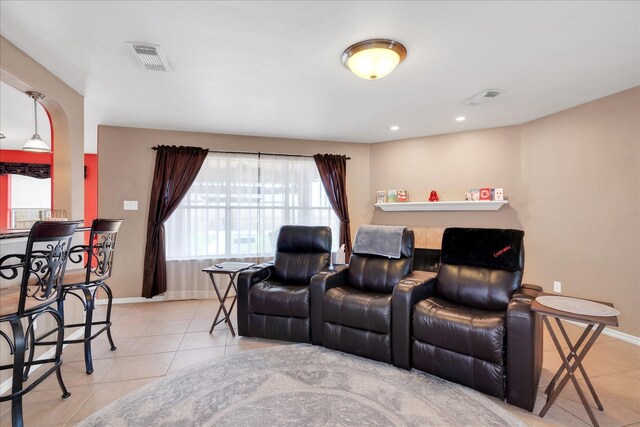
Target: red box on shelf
(485,194)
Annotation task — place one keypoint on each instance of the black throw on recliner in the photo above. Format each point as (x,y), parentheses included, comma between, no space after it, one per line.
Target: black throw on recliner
(477,328)
(273,298)
(365,306)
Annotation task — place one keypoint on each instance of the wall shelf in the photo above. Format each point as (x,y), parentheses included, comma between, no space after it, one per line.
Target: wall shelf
(460,205)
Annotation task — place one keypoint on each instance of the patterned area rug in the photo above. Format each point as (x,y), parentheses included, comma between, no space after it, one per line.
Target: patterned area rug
(300,385)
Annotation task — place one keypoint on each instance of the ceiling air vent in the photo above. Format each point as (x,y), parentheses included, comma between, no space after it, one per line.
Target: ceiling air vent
(482,97)
(149,55)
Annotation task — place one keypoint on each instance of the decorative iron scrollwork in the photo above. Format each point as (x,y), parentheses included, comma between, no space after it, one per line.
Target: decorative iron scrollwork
(34,170)
(45,270)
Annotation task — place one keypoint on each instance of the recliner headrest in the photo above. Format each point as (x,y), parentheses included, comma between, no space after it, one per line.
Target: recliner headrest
(484,247)
(302,238)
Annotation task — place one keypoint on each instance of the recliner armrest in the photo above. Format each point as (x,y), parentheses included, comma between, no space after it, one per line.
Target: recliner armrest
(412,288)
(524,348)
(532,287)
(245,280)
(327,278)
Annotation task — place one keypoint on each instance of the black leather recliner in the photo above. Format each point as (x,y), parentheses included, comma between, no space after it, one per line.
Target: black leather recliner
(273,298)
(477,328)
(366,305)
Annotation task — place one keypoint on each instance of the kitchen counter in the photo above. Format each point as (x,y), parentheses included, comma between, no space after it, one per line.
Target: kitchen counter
(10,233)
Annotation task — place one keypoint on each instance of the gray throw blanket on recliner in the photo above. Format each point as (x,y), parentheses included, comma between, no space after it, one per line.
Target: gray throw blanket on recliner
(383,240)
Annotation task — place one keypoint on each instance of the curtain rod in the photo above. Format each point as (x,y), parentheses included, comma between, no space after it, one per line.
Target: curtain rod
(256,152)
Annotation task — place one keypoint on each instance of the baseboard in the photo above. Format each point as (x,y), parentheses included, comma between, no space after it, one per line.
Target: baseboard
(632,339)
(6,384)
(132,300)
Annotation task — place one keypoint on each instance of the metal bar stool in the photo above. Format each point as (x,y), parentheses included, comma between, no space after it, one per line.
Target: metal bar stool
(43,267)
(84,284)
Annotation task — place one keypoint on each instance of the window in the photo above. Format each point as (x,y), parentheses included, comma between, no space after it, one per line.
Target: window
(238,202)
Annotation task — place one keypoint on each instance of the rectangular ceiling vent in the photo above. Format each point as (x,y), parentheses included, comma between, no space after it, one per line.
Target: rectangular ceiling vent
(482,97)
(149,55)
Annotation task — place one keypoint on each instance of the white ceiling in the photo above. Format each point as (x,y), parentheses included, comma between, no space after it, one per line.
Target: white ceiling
(17,121)
(273,68)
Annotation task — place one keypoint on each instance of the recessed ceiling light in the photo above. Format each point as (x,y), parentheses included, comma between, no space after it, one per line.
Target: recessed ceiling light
(461,119)
(394,127)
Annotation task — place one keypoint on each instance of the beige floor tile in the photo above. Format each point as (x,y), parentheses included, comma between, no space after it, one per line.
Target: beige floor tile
(74,374)
(202,324)
(47,408)
(135,367)
(248,346)
(186,358)
(194,340)
(168,327)
(208,308)
(155,339)
(100,349)
(106,393)
(619,394)
(556,416)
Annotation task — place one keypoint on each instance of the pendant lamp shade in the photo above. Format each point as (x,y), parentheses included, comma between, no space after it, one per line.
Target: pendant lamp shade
(36,144)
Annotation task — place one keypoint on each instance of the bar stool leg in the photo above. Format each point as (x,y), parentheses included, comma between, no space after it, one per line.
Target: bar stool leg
(107,290)
(20,344)
(58,356)
(31,345)
(88,361)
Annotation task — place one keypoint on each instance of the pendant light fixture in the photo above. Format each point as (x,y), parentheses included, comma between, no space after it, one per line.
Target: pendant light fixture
(36,143)
(374,59)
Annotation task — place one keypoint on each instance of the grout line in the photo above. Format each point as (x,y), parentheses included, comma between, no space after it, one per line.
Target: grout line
(80,407)
(543,396)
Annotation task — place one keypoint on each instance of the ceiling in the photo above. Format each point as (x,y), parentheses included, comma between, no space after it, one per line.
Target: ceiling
(17,121)
(273,68)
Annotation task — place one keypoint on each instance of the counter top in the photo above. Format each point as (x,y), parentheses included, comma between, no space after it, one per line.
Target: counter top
(11,233)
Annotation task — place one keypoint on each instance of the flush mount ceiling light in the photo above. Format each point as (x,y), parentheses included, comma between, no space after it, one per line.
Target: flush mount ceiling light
(36,143)
(461,119)
(394,128)
(374,59)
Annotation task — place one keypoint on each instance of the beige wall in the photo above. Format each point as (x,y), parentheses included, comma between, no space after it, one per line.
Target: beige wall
(581,181)
(573,184)
(126,164)
(450,164)
(66,109)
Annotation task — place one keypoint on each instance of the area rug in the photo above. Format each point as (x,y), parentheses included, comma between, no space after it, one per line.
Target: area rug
(300,385)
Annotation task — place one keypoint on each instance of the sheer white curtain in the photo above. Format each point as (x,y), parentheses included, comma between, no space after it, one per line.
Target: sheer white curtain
(234,210)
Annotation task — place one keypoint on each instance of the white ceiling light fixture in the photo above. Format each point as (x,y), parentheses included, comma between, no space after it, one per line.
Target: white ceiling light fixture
(394,128)
(150,56)
(461,119)
(373,59)
(36,144)
(482,97)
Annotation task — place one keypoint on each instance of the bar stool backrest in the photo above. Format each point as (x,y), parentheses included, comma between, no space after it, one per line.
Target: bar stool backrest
(45,261)
(102,246)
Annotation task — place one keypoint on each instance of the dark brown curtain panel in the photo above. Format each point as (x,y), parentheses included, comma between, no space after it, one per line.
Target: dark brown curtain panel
(333,172)
(176,169)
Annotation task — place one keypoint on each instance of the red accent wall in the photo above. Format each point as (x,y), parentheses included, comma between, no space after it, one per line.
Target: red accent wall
(90,188)
(5,199)
(16,156)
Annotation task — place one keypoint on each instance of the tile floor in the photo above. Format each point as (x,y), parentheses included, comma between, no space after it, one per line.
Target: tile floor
(156,339)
